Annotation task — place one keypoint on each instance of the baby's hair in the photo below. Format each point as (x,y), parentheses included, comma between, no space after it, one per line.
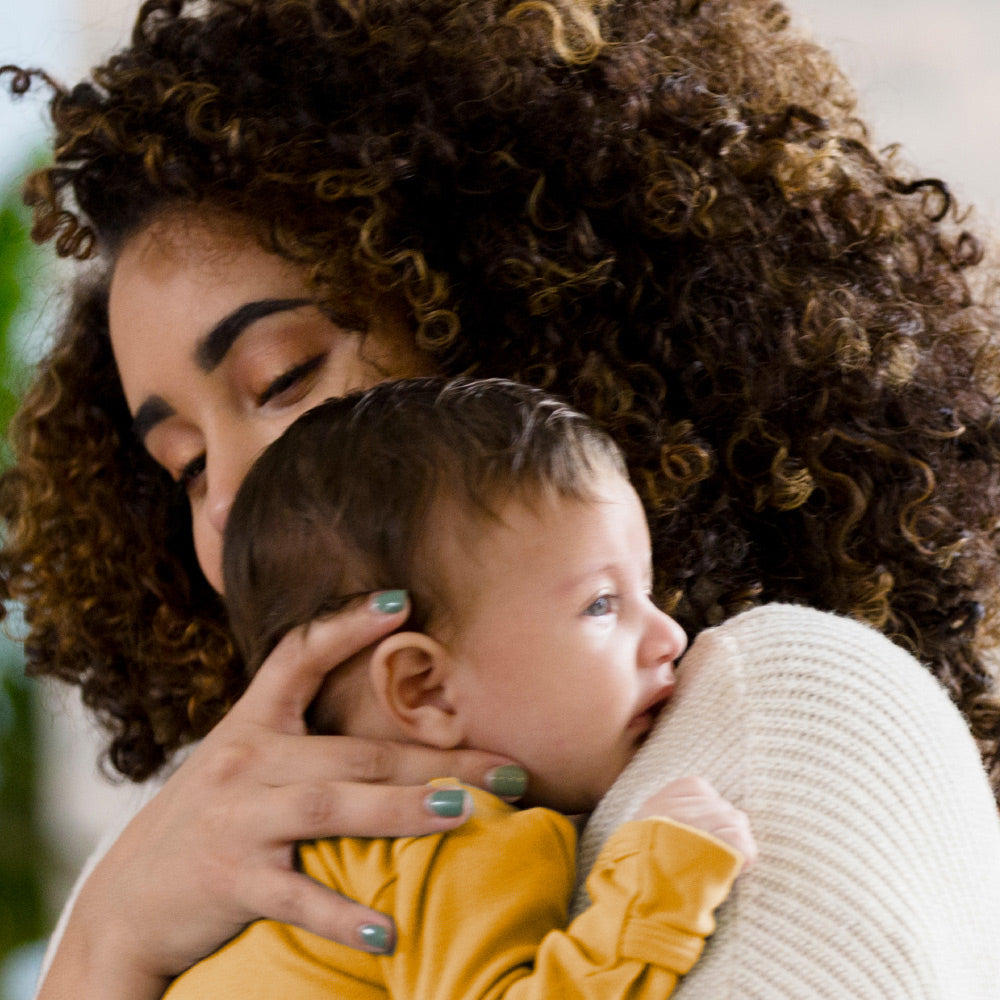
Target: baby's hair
(339,505)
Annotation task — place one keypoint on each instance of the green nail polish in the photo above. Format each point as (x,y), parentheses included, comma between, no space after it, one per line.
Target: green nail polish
(508,781)
(447,802)
(390,601)
(374,936)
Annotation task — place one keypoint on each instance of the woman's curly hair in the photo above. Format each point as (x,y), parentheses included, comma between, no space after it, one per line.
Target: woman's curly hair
(665,210)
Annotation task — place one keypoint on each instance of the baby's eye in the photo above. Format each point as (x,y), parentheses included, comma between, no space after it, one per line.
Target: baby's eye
(286,380)
(603,605)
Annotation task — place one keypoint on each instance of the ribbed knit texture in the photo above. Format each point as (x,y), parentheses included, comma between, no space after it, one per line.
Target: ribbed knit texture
(879,871)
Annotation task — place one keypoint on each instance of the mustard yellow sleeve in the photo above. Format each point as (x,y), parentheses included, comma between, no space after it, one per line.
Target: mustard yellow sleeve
(487,921)
(653,892)
(271,960)
(472,907)
(480,914)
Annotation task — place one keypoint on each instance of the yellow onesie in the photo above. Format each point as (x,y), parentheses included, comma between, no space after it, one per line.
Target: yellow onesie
(480,912)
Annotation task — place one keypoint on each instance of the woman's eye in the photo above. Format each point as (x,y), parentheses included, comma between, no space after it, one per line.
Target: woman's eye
(604,605)
(190,473)
(286,380)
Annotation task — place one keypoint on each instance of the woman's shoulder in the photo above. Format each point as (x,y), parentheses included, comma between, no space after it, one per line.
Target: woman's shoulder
(791,641)
(878,833)
(785,700)
(802,676)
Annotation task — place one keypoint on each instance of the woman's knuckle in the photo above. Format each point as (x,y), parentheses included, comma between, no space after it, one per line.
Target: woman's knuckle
(283,901)
(315,806)
(230,761)
(373,762)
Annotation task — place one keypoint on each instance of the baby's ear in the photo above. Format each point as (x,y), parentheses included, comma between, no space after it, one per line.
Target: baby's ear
(411,676)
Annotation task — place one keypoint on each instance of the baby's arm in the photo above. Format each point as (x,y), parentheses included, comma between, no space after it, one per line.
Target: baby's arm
(489,924)
(480,914)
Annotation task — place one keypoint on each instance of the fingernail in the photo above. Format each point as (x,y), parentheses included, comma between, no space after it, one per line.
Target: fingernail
(446,802)
(508,781)
(375,937)
(389,601)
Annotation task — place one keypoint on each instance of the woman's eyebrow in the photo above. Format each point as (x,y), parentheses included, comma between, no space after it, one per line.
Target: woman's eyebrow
(210,351)
(153,411)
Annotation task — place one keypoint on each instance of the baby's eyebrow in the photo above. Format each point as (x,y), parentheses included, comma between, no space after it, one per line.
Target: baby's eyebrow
(589,575)
(215,345)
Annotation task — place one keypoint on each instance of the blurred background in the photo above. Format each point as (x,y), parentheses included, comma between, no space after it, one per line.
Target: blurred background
(928,79)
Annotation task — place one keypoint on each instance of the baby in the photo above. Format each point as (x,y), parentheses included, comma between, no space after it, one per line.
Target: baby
(508,522)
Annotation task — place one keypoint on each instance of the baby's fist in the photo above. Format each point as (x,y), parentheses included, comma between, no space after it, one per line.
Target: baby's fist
(694,802)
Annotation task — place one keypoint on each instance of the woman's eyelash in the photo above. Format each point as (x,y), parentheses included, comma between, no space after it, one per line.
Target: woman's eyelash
(287,379)
(191,472)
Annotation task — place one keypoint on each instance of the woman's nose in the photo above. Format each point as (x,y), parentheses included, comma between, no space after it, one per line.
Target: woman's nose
(224,472)
(217,505)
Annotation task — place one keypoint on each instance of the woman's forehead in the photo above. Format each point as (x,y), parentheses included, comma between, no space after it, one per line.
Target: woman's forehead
(185,237)
(174,282)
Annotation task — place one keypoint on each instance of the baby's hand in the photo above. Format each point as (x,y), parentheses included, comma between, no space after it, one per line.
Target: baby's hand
(695,802)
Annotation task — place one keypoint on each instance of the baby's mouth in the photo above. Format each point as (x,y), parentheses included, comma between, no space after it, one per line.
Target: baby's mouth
(643,721)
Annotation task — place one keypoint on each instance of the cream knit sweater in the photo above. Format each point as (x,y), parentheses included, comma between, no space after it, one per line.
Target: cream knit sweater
(879,868)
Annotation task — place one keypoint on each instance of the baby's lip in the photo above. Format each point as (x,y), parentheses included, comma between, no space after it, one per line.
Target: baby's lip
(645,717)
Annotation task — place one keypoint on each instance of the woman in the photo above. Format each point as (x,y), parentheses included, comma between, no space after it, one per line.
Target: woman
(666,211)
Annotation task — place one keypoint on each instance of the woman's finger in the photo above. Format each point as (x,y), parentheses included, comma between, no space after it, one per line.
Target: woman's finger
(314,810)
(290,677)
(284,759)
(296,899)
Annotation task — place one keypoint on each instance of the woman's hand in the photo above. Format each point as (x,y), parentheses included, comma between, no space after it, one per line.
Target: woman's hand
(214,849)
(694,802)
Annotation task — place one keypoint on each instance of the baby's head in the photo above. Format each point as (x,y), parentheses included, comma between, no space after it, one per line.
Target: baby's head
(509,519)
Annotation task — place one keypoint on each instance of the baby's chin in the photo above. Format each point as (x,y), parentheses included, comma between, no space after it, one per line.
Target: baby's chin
(572,803)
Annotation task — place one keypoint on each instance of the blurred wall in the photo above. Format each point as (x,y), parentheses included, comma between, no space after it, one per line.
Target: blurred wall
(928,77)
(64,37)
